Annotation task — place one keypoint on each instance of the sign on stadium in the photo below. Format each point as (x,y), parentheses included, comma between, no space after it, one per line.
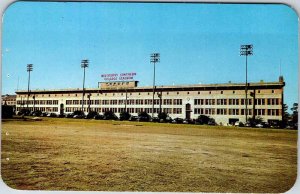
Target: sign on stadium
(118,77)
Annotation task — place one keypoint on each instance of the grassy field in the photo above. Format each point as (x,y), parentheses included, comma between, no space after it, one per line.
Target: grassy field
(70,154)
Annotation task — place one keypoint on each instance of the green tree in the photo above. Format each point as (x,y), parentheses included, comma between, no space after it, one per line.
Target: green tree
(124,115)
(109,115)
(286,115)
(202,119)
(162,116)
(294,110)
(255,121)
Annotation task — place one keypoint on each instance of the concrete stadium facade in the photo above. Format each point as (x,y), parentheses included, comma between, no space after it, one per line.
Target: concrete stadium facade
(223,102)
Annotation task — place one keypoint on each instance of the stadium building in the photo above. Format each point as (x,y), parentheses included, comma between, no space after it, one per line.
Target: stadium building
(223,102)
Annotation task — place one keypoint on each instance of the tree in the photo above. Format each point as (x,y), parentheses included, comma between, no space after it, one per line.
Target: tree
(143,116)
(91,114)
(78,112)
(286,115)
(294,110)
(203,119)
(124,116)
(255,121)
(162,116)
(110,115)
(7,111)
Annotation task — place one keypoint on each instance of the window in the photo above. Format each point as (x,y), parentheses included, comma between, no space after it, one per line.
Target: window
(221,111)
(177,110)
(177,101)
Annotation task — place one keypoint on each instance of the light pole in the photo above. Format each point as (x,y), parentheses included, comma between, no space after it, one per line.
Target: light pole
(33,103)
(125,100)
(154,58)
(84,64)
(246,50)
(89,102)
(29,69)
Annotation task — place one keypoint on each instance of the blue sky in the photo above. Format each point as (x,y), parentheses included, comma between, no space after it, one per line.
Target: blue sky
(198,43)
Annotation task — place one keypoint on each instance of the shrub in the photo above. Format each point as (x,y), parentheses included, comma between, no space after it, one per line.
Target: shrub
(91,115)
(110,115)
(143,116)
(124,116)
(162,116)
(203,119)
(7,111)
(78,112)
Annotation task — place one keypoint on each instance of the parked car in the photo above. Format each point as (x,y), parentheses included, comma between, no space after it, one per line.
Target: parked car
(155,119)
(44,114)
(36,113)
(70,115)
(188,121)
(91,115)
(177,120)
(169,120)
(61,115)
(262,125)
(52,115)
(247,124)
(212,122)
(133,118)
(98,117)
(259,125)
(78,116)
(143,118)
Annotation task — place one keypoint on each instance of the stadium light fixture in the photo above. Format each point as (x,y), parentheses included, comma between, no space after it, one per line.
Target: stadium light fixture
(246,50)
(154,58)
(29,69)
(84,64)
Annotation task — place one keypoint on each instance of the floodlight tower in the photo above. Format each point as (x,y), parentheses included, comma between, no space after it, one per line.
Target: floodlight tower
(84,64)
(246,50)
(29,69)
(154,58)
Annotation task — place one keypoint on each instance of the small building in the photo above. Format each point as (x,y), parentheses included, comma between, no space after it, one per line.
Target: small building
(9,100)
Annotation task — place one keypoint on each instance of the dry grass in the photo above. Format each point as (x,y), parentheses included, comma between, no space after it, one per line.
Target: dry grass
(69,154)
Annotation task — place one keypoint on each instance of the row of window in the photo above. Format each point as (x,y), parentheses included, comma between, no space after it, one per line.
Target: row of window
(223,111)
(258,101)
(128,101)
(43,109)
(167,93)
(37,102)
(130,110)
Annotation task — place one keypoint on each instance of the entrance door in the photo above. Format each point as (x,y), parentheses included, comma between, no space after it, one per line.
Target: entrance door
(188,111)
(61,110)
